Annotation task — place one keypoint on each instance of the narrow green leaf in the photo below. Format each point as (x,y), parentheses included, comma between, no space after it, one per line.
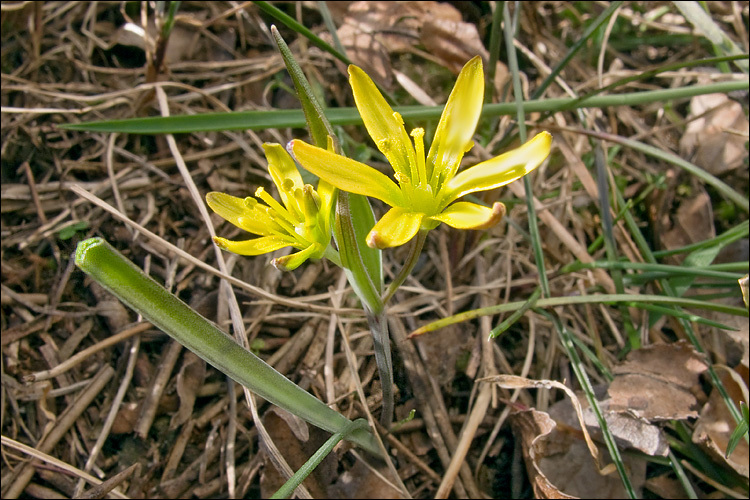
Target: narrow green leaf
(127,282)
(739,431)
(260,120)
(317,123)
(499,329)
(705,25)
(363,265)
(302,30)
(287,488)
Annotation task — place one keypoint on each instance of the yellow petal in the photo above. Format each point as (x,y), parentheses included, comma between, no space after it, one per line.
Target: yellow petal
(257,246)
(346,174)
(293,261)
(240,212)
(384,126)
(457,123)
(283,170)
(395,228)
(465,215)
(500,170)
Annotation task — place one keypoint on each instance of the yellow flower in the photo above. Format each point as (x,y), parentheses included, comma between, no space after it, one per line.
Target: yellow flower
(427,185)
(302,222)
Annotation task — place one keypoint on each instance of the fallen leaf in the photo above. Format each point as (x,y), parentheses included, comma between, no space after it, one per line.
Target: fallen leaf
(657,382)
(715,425)
(630,431)
(716,141)
(362,481)
(441,349)
(692,222)
(189,381)
(559,463)
(371,32)
(452,41)
(296,453)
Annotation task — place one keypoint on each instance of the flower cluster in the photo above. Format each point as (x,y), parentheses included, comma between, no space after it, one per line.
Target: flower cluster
(427,185)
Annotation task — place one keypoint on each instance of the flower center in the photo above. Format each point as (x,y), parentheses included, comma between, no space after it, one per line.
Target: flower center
(416,187)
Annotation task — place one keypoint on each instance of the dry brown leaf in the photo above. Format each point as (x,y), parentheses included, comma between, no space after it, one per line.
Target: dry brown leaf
(361,481)
(716,141)
(665,486)
(452,41)
(692,223)
(372,31)
(189,381)
(441,349)
(559,464)
(657,382)
(629,430)
(716,424)
(296,453)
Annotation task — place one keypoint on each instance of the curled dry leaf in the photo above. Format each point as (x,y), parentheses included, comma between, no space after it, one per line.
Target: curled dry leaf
(629,430)
(559,464)
(658,382)
(716,424)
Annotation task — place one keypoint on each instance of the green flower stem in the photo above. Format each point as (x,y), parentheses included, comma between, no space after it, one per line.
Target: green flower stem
(381,340)
(141,293)
(332,255)
(411,261)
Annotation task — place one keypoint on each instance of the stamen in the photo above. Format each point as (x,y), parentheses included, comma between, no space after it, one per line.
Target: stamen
(274,205)
(309,206)
(402,179)
(418,135)
(287,185)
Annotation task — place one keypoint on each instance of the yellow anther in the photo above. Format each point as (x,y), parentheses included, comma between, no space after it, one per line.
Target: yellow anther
(384,145)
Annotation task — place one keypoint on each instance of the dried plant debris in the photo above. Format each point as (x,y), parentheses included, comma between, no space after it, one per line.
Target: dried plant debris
(559,463)
(629,430)
(716,138)
(716,424)
(658,382)
(371,32)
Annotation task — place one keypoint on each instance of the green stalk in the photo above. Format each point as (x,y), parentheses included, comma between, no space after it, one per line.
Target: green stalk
(411,261)
(127,282)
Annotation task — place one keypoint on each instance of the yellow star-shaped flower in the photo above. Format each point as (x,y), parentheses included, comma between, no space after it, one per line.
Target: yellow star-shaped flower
(426,187)
(302,220)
